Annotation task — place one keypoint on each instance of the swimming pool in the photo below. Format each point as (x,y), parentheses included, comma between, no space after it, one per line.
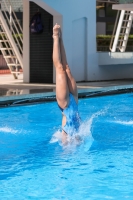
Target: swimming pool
(32,167)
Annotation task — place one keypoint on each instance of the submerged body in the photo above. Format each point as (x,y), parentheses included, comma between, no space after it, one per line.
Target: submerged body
(72,117)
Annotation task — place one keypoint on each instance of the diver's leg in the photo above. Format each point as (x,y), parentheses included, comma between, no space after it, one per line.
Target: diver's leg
(62,90)
(71,81)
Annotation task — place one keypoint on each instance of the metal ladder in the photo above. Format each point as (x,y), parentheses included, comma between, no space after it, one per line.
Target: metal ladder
(121,31)
(11,41)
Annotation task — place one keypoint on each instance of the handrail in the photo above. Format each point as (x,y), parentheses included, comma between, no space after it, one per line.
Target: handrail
(114,30)
(15,16)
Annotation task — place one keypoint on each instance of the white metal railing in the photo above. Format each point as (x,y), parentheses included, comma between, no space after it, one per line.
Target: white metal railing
(114,30)
(13,23)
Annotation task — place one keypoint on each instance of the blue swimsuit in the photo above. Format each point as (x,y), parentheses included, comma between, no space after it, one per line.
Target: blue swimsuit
(72,117)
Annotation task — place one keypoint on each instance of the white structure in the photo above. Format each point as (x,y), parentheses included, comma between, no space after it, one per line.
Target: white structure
(10,45)
(78,21)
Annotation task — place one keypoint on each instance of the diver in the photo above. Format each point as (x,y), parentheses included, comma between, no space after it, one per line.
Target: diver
(66,88)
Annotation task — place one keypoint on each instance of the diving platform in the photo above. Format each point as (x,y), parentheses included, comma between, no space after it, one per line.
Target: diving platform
(127,7)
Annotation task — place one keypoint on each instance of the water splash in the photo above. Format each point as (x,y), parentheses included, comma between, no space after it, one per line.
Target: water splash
(83,136)
(56,137)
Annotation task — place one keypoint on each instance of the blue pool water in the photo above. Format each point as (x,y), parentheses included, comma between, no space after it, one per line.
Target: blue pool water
(34,166)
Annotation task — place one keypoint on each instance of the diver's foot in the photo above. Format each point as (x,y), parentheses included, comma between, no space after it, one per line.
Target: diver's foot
(56,31)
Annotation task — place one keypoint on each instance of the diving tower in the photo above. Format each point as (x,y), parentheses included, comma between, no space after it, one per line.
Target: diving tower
(122,25)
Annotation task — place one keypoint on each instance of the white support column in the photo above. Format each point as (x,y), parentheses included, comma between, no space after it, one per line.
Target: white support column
(118,31)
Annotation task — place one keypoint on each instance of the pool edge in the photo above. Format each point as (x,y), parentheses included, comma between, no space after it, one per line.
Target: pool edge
(7,101)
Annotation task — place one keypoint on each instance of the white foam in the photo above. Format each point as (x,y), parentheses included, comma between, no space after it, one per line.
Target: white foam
(127,123)
(8,130)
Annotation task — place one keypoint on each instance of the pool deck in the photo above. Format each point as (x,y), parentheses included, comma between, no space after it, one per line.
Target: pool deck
(12,90)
